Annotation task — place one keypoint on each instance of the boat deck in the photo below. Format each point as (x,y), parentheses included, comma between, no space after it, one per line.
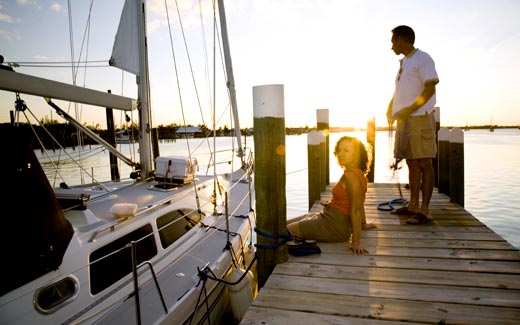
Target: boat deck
(454,270)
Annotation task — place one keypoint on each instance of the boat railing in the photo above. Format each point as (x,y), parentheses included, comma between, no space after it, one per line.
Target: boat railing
(135,277)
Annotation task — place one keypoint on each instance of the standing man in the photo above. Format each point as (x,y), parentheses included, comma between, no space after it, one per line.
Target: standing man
(412,107)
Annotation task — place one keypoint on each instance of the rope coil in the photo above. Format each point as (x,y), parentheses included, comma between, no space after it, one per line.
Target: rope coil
(389,206)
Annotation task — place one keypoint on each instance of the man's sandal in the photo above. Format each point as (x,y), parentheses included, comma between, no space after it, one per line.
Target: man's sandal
(418,219)
(403,212)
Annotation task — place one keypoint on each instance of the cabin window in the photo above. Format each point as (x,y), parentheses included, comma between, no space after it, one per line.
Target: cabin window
(112,262)
(49,299)
(175,224)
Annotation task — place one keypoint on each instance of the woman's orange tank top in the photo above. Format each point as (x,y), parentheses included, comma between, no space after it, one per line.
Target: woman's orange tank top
(340,198)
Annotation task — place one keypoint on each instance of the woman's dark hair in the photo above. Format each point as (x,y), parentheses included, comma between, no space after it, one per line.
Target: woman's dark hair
(404,32)
(365,155)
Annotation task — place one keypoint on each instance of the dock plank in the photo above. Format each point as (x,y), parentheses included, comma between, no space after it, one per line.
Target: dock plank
(454,270)
(455,278)
(293,307)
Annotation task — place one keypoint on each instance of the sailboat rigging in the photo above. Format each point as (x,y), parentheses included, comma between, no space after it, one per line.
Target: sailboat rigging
(153,249)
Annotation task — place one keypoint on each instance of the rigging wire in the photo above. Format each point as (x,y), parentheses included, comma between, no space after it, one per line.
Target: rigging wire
(75,69)
(197,198)
(56,169)
(212,98)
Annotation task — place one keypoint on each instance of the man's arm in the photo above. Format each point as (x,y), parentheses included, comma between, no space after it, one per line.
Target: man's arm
(427,93)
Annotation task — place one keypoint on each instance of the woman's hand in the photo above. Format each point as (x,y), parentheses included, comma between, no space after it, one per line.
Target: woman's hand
(356,249)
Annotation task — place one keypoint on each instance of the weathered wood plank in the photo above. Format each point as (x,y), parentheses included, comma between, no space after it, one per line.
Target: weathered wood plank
(408,291)
(457,278)
(311,306)
(263,316)
(413,263)
(452,235)
(448,253)
(431,227)
(436,243)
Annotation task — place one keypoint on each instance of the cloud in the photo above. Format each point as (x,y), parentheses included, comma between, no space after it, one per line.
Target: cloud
(6,18)
(26,2)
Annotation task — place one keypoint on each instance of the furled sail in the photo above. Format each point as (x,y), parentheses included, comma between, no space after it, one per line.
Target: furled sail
(125,53)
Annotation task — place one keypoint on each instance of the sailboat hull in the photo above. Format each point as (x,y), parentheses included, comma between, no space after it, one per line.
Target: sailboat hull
(144,251)
(177,266)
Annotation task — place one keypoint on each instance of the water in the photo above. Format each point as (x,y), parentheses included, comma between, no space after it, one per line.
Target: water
(492,180)
(491,172)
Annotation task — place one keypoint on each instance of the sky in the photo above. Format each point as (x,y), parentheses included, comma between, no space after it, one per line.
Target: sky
(328,54)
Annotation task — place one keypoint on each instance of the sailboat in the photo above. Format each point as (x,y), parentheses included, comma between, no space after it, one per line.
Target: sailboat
(124,137)
(169,246)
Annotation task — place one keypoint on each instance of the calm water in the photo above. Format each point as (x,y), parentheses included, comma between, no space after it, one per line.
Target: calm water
(491,171)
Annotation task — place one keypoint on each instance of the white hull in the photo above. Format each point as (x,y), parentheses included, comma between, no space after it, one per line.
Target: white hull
(175,266)
(84,265)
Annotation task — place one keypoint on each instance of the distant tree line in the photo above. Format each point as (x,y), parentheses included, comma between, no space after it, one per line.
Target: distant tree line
(67,135)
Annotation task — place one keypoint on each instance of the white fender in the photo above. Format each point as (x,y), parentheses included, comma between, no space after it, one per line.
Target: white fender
(240,294)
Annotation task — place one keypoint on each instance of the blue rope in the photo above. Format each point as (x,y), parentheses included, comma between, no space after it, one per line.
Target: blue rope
(390,204)
(285,238)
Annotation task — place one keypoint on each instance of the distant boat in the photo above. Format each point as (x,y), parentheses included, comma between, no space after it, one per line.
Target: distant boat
(124,137)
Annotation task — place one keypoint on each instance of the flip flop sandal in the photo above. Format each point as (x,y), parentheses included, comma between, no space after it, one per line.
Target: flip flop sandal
(403,212)
(418,219)
(297,247)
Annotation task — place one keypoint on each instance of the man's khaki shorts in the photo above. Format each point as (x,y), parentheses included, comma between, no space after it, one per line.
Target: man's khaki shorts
(415,137)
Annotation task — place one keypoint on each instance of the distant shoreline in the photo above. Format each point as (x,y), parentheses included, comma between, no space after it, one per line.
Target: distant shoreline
(385,128)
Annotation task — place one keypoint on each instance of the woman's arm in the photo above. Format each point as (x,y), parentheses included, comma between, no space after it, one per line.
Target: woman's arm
(357,211)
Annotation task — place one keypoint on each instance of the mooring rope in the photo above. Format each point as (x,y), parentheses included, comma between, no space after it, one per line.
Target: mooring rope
(389,206)
(285,238)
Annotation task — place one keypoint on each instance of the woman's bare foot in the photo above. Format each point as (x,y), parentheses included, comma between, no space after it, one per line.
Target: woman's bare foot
(368,226)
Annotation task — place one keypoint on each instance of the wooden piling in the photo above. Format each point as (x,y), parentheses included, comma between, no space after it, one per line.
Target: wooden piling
(322,118)
(111,138)
(323,161)
(457,166)
(155,143)
(443,161)
(437,116)
(371,140)
(314,138)
(270,182)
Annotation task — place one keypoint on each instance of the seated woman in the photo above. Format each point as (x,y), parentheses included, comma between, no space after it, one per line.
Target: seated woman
(344,217)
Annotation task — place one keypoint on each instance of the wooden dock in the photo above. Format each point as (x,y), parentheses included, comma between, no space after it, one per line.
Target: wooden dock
(454,270)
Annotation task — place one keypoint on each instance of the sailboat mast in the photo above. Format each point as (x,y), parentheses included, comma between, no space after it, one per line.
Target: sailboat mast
(229,73)
(145,139)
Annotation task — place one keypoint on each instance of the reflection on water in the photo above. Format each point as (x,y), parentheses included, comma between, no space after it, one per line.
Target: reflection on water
(491,171)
